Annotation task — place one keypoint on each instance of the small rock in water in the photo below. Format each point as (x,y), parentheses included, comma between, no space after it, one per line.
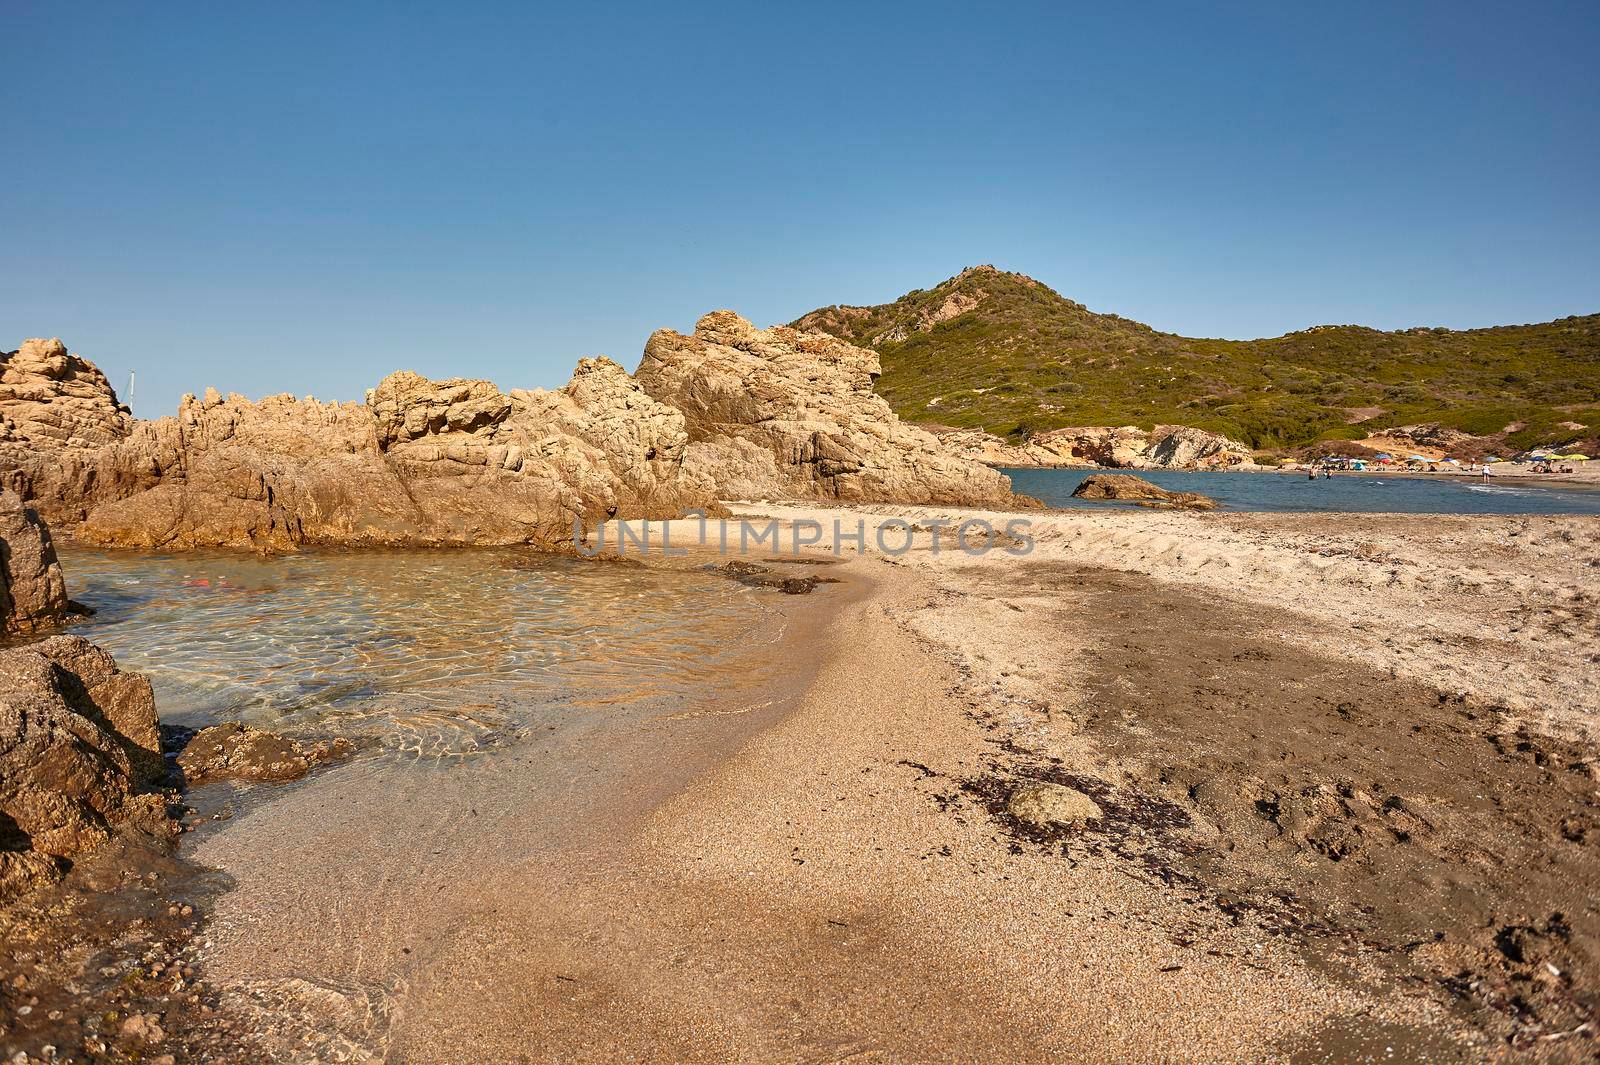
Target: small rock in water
(1044,805)
(239,752)
(762,577)
(1127,488)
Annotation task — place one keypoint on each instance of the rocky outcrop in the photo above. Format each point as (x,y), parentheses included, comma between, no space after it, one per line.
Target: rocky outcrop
(421,462)
(33,594)
(52,398)
(58,414)
(233,751)
(1166,447)
(68,722)
(979,446)
(781,413)
(1126,488)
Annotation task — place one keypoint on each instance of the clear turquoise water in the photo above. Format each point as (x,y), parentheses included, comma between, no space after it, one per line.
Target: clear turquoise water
(1343,492)
(430,651)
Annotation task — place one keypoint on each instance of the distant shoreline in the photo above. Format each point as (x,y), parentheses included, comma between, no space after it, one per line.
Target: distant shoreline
(1589,479)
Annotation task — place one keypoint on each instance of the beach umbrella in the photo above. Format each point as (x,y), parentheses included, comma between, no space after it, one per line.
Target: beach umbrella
(1384,456)
(1491,458)
(1418,458)
(1456,461)
(1575,458)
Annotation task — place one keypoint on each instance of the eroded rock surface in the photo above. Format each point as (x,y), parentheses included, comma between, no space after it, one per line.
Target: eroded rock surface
(50,397)
(771,413)
(778,412)
(1126,488)
(232,751)
(67,781)
(421,462)
(33,593)
(1166,447)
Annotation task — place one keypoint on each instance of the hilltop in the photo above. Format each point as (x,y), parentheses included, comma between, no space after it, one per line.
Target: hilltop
(1003,352)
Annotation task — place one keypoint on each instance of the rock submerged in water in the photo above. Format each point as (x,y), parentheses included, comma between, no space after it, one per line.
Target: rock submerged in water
(757,576)
(233,751)
(1045,805)
(1126,488)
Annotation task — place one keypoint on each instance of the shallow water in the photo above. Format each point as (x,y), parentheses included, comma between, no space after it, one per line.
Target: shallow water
(435,652)
(517,715)
(1369,494)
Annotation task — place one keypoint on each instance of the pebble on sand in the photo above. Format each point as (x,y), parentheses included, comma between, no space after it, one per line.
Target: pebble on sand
(1051,804)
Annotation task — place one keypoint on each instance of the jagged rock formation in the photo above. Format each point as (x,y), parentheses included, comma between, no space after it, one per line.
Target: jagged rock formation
(778,412)
(460,462)
(68,722)
(57,415)
(1126,488)
(50,397)
(1166,447)
(33,593)
(421,462)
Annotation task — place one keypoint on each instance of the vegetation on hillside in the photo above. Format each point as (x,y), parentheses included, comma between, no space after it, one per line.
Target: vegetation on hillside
(1002,352)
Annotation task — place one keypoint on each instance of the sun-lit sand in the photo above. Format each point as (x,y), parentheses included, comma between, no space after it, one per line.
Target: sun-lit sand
(811,865)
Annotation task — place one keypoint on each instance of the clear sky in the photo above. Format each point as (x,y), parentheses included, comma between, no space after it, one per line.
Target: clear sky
(303,197)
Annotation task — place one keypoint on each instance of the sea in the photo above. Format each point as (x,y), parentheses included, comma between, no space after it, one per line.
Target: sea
(1358,493)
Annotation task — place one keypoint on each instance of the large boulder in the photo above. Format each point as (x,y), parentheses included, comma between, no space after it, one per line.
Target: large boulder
(58,414)
(66,779)
(33,594)
(1126,488)
(52,398)
(778,412)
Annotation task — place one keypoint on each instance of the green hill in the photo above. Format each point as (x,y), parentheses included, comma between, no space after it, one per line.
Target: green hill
(1002,352)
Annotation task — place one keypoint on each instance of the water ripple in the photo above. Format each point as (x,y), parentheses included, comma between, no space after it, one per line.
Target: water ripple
(431,654)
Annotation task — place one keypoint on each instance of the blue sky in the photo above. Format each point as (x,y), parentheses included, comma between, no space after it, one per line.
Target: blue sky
(286,197)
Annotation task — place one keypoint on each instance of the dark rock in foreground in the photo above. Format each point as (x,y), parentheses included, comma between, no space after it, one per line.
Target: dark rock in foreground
(33,593)
(1126,488)
(69,721)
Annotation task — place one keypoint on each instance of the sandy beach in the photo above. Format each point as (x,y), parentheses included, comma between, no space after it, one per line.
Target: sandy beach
(1346,794)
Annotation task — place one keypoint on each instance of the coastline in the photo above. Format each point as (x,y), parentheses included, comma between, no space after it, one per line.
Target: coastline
(1583,478)
(370,909)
